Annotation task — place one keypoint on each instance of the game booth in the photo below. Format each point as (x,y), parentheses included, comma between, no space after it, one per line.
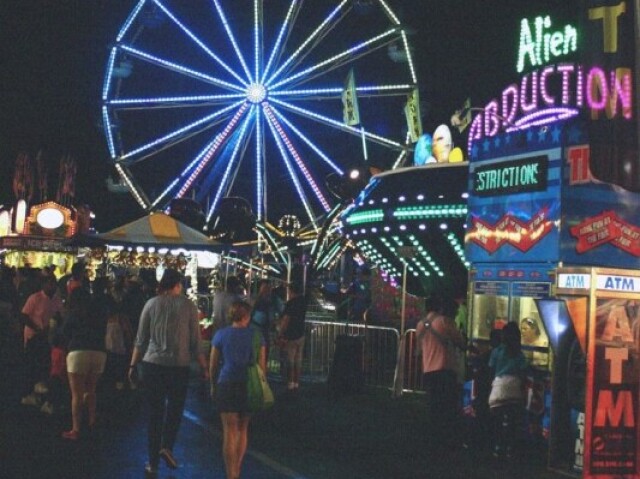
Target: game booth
(38,236)
(553,236)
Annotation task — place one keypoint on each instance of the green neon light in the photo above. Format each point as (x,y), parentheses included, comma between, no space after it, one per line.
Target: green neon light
(426,212)
(369,216)
(539,45)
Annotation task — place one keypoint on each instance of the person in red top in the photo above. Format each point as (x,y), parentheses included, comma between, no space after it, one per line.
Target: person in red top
(437,336)
(37,311)
(78,278)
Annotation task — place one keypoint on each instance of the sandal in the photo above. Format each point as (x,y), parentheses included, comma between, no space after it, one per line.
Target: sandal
(71,435)
(167,455)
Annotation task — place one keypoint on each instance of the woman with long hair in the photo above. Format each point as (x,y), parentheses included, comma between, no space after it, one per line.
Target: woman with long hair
(85,328)
(231,354)
(168,340)
(507,395)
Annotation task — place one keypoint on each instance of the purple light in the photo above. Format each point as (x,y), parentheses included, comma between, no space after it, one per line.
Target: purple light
(555,93)
(216,144)
(532,104)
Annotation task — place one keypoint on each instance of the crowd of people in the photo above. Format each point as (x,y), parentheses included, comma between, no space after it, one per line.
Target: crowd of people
(498,372)
(74,340)
(59,335)
(72,337)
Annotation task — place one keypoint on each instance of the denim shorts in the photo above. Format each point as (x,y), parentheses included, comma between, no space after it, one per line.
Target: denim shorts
(86,362)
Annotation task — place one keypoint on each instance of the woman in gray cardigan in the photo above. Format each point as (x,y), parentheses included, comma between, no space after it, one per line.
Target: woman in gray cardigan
(168,339)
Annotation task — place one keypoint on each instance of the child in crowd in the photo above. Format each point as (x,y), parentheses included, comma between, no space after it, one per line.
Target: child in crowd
(119,344)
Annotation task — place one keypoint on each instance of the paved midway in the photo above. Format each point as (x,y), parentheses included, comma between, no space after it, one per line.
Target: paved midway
(306,436)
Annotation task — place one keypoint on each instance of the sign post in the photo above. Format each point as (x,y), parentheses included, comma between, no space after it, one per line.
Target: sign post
(406,253)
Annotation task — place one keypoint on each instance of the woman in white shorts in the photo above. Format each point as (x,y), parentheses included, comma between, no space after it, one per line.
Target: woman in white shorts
(86,330)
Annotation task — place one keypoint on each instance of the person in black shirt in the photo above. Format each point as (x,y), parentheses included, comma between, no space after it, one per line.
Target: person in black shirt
(291,335)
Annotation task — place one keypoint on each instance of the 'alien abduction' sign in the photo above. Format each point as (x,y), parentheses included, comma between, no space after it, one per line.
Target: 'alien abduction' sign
(550,92)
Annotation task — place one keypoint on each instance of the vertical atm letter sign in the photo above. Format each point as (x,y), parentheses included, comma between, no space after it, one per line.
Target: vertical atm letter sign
(612,427)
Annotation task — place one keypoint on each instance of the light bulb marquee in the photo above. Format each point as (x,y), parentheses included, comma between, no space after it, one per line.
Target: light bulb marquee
(414,216)
(554,92)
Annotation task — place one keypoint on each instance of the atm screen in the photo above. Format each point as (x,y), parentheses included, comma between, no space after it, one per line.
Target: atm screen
(555,315)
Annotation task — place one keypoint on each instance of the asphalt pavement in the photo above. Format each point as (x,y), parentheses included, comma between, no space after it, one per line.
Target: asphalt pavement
(307,435)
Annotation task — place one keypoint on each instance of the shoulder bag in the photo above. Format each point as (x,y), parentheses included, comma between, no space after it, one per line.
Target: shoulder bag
(259,394)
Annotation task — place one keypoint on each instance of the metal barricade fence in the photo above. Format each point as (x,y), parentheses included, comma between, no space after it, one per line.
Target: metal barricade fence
(379,358)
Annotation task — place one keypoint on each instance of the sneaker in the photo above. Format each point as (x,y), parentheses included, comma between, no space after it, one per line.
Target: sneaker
(31,400)
(47,408)
(168,458)
(71,435)
(41,388)
(150,471)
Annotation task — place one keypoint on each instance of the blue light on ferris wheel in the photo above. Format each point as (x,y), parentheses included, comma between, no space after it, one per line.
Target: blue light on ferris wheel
(276,83)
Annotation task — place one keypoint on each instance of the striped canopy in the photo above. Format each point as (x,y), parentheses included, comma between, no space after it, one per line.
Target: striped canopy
(159,229)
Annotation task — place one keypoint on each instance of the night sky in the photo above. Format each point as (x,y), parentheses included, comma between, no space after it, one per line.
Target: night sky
(53,55)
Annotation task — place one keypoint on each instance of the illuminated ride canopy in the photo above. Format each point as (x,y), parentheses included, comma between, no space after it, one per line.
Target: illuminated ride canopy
(418,213)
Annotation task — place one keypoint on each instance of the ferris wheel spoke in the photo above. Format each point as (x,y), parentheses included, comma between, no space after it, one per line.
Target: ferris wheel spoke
(306,139)
(403,154)
(260,177)
(334,16)
(172,101)
(296,156)
(180,68)
(232,39)
(220,139)
(225,183)
(287,24)
(199,42)
(257,39)
(339,125)
(172,185)
(340,58)
(129,157)
(292,173)
(336,92)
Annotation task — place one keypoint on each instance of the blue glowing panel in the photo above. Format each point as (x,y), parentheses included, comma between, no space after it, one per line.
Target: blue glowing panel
(514,207)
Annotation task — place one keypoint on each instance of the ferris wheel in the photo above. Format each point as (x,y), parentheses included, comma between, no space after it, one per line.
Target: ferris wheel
(209,98)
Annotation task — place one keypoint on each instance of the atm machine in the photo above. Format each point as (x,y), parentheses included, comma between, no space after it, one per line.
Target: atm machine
(594,323)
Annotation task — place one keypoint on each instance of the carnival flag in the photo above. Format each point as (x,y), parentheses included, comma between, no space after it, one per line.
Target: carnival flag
(412,112)
(462,117)
(351,112)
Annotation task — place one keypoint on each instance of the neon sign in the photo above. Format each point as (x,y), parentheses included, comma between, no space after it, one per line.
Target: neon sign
(508,177)
(553,93)
(539,45)
(556,92)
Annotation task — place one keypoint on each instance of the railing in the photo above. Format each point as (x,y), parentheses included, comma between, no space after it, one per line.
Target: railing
(379,358)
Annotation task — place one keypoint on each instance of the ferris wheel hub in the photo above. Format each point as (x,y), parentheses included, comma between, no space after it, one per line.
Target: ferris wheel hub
(256,92)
